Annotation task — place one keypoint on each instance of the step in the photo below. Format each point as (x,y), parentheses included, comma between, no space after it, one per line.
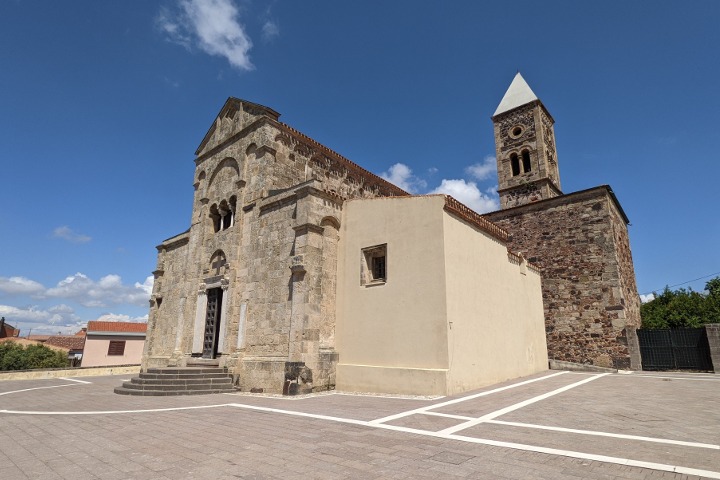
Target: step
(136,386)
(159,393)
(182,381)
(183,376)
(187,370)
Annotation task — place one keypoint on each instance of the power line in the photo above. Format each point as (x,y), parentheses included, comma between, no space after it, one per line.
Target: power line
(683,283)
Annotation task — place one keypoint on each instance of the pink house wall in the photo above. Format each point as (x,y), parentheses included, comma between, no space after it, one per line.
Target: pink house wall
(96,349)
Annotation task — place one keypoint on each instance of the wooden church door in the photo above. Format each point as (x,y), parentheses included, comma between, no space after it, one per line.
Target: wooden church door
(212,322)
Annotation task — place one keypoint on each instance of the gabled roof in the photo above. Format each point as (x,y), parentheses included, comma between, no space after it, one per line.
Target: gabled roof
(71,342)
(236,103)
(518,94)
(129,327)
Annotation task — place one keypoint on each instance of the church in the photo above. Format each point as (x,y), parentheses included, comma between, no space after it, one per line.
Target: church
(302,271)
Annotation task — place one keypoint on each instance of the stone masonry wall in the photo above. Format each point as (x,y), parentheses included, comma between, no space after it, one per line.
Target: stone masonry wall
(279,279)
(581,246)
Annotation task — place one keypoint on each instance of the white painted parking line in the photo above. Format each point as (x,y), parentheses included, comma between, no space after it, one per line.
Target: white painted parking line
(40,388)
(496,443)
(696,379)
(108,412)
(607,434)
(461,399)
(74,380)
(517,406)
(447,415)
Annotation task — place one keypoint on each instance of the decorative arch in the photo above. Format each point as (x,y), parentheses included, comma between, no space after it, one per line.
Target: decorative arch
(218,261)
(227,163)
(330,220)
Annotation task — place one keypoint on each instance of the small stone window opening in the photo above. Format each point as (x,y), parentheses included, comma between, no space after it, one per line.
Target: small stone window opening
(225,215)
(116,347)
(374,265)
(515,164)
(215,217)
(517,131)
(526,161)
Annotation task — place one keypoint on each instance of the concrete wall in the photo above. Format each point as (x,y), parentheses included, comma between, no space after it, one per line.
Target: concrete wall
(96,349)
(392,336)
(495,310)
(455,313)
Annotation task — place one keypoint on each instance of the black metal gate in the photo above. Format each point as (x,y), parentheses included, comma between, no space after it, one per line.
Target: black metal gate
(675,349)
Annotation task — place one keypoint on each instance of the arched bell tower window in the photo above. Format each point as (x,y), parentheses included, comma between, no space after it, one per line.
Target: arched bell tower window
(515,164)
(526,161)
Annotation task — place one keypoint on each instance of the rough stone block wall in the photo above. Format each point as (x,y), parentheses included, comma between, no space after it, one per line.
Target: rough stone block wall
(279,281)
(580,244)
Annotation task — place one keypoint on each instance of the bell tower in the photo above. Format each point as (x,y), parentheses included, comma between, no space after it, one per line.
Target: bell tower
(525,148)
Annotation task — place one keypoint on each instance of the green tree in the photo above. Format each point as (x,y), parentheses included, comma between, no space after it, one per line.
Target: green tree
(683,307)
(14,356)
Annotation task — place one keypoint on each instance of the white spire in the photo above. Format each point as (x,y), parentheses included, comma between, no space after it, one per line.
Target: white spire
(519,93)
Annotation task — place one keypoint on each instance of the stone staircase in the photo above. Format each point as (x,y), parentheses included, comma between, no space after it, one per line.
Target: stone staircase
(191,380)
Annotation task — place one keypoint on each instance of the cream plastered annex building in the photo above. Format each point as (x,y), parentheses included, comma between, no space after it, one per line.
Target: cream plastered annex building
(302,271)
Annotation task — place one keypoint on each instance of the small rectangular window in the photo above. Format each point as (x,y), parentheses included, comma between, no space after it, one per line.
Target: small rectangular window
(116,347)
(373,265)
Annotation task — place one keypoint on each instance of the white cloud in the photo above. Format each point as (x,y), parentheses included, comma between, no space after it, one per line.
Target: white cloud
(114,317)
(402,176)
(66,233)
(213,26)
(647,297)
(469,194)
(108,290)
(20,286)
(58,318)
(483,170)
(270,30)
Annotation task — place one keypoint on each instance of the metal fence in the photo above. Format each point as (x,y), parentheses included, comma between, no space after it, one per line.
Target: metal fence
(675,349)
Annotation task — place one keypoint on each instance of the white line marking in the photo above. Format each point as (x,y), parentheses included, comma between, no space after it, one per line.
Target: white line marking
(606,434)
(517,406)
(447,415)
(106,412)
(74,380)
(374,424)
(39,388)
(461,399)
(483,441)
(709,379)
(396,397)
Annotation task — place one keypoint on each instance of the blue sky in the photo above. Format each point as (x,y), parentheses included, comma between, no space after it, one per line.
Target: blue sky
(102,105)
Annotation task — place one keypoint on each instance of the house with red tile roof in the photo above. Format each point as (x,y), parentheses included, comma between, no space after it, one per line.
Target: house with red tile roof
(113,343)
(7,330)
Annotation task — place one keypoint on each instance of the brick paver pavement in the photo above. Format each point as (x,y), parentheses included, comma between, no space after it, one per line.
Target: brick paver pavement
(332,436)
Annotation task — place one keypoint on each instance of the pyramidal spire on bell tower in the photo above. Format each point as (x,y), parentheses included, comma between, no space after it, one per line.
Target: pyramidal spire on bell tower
(525,147)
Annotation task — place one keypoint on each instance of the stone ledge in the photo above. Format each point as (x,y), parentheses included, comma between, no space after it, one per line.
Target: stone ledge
(578,367)
(70,372)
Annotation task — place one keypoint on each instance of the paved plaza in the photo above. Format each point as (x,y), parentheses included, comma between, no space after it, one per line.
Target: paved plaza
(554,425)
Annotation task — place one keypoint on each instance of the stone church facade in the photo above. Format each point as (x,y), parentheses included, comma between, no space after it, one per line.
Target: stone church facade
(278,280)
(579,240)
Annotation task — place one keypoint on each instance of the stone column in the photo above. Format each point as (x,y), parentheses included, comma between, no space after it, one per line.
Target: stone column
(199,329)
(224,320)
(297,310)
(713,336)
